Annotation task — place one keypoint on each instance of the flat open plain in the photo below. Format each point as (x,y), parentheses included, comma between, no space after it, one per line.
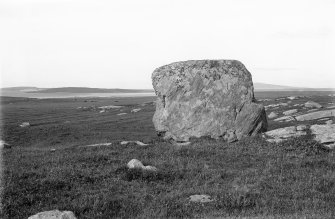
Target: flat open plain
(49,165)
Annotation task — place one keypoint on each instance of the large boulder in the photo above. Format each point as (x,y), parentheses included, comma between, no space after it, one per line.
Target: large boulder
(206,98)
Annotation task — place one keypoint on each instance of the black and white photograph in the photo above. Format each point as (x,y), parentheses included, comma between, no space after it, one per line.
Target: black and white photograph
(216,109)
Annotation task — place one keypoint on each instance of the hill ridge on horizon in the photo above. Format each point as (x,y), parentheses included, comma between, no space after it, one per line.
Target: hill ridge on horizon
(258,86)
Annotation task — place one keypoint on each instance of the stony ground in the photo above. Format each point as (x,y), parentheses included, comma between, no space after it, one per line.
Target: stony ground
(70,157)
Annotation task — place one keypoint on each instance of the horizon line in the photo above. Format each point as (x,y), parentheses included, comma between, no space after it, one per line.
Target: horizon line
(32,86)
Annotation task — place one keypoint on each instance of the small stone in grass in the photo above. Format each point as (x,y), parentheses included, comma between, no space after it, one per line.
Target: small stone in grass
(54,214)
(200,198)
(134,163)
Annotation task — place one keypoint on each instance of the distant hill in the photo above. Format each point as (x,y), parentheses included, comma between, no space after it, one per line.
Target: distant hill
(86,90)
(89,90)
(272,87)
(264,86)
(23,88)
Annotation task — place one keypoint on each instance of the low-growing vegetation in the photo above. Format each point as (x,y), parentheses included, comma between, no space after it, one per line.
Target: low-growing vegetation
(251,177)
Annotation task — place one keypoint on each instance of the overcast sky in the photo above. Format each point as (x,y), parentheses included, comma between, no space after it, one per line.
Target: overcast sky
(118,44)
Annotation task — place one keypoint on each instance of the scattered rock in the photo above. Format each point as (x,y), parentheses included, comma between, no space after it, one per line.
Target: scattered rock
(329,122)
(276,105)
(272,115)
(182,143)
(324,134)
(150,168)
(285,118)
(99,144)
(147,103)
(316,115)
(54,214)
(292,98)
(135,110)
(3,144)
(101,109)
(301,128)
(88,108)
(264,100)
(312,104)
(120,114)
(296,104)
(25,124)
(109,107)
(200,198)
(136,164)
(282,134)
(323,119)
(136,142)
(206,98)
(140,143)
(230,137)
(289,112)
(52,149)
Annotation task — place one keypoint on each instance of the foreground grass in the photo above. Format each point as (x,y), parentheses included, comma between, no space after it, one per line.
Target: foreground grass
(250,177)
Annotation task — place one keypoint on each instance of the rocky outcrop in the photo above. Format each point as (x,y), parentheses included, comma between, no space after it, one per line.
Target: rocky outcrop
(272,115)
(284,118)
(281,134)
(312,104)
(316,115)
(97,145)
(276,105)
(139,143)
(206,98)
(289,112)
(325,134)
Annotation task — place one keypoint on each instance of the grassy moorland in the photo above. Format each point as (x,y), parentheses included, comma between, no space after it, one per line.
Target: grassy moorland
(251,177)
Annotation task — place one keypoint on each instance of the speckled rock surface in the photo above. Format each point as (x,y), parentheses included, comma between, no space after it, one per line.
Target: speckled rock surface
(206,98)
(316,115)
(54,214)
